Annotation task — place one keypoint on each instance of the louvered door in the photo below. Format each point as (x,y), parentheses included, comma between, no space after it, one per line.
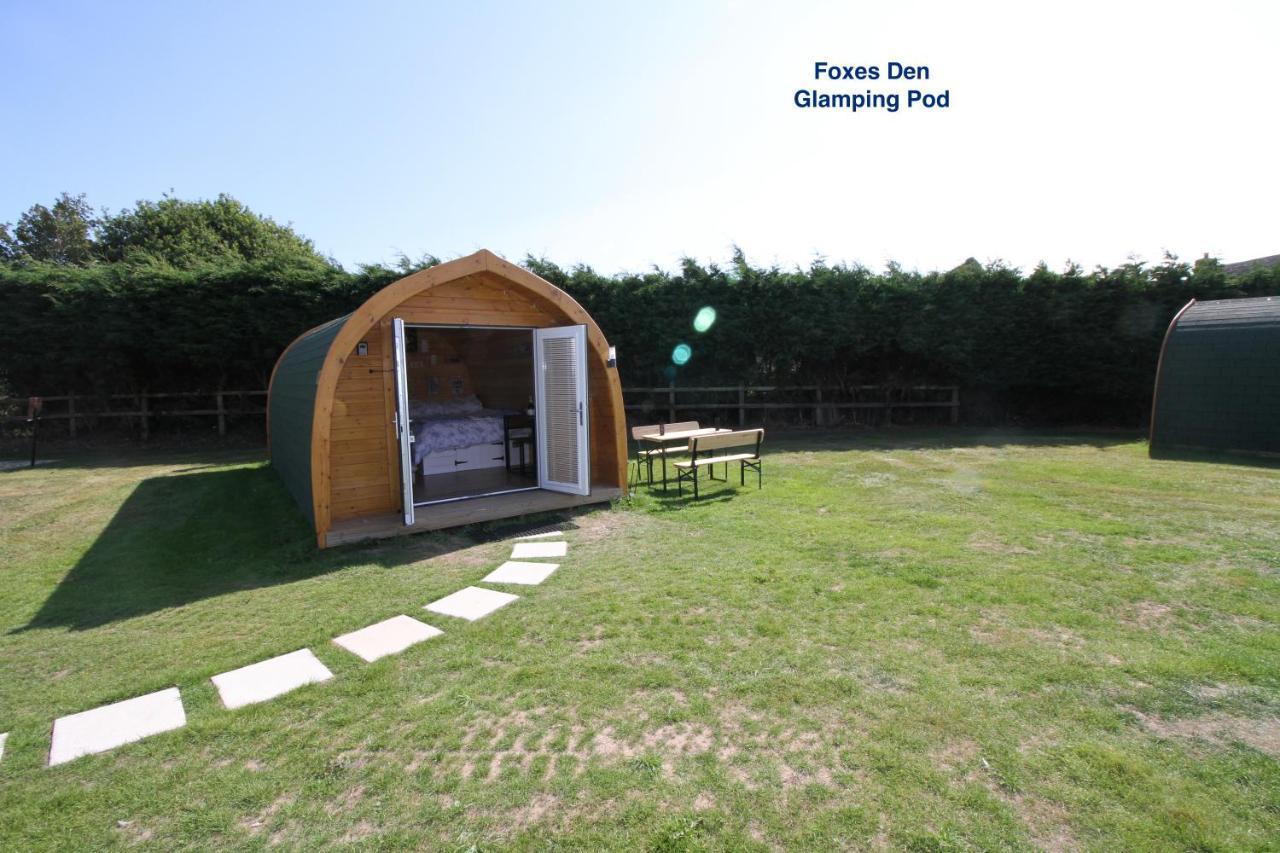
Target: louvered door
(561,405)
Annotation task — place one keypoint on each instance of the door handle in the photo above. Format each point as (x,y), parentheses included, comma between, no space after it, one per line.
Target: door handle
(579,413)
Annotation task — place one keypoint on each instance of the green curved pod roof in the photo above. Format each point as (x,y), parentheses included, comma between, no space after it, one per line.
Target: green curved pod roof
(291,407)
(1218,383)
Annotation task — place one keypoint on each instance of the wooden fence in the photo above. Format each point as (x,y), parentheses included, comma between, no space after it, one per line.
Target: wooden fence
(822,401)
(81,409)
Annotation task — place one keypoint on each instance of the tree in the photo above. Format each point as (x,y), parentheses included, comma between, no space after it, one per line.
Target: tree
(9,249)
(62,234)
(193,234)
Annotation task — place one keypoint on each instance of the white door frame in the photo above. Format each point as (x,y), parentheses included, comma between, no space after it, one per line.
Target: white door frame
(404,435)
(533,363)
(570,414)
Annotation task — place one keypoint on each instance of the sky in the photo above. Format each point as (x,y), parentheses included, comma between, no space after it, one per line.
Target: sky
(624,136)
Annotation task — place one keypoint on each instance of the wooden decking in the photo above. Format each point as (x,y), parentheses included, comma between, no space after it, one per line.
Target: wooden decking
(458,513)
(435,487)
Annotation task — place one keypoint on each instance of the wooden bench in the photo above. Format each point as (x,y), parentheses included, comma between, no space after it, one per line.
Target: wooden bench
(742,446)
(646,456)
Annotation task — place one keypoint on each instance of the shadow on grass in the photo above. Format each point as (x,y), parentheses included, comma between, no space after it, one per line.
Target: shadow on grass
(132,456)
(672,503)
(710,491)
(1221,457)
(182,538)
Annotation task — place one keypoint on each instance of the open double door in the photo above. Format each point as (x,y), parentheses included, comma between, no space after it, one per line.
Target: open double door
(560,409)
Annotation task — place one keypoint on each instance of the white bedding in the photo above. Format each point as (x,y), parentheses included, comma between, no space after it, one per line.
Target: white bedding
(452,425)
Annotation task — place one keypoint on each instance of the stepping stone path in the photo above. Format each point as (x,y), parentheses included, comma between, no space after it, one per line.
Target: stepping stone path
(114,725)
(387,638)
(514,571)
(471,603)
(270,678)
(522,550)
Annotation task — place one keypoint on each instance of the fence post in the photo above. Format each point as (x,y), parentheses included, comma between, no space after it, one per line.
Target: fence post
(222,416)
(671,402)
(71,413)
(955,404)
(146,428)
(817,409)
(742,404)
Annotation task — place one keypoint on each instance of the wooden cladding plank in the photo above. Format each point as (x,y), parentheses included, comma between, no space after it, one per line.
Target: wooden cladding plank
(358,445)
(348,408)
(356,509)
(356,491)
(354,387)
(464,303)
(391,463)
(359,390)
(365,424)
(455,317)
(371,497)
(359,433)
(364,457)
(479,286)
(364,390)
(347,481)
(370,423)
(355,434)
(475,304)
(357,379)
(359,459)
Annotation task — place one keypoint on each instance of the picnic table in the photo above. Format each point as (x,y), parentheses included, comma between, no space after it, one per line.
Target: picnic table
(665,439)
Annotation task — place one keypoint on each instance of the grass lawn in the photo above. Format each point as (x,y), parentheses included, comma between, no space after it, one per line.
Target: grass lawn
(921,640)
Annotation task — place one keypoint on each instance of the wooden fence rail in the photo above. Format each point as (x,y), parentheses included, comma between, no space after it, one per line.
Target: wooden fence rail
(144,411)
(669,396)
(666,397)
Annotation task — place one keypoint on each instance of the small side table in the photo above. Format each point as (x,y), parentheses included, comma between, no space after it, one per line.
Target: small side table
(519,430)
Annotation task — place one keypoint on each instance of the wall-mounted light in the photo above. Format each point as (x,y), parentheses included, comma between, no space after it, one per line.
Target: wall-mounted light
(613,357)
(362,348)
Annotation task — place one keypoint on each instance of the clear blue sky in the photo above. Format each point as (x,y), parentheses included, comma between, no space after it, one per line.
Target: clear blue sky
(623,136)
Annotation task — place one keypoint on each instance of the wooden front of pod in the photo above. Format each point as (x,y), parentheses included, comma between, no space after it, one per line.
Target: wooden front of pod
(354,467)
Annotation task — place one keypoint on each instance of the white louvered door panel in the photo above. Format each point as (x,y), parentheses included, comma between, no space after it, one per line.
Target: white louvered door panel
(403,434)
(561,386)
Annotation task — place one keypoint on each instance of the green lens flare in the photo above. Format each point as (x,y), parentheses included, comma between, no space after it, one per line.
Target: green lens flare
(681,354)
(705,319)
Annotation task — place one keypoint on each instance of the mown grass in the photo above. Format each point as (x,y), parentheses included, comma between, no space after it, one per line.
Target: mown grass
(931,641)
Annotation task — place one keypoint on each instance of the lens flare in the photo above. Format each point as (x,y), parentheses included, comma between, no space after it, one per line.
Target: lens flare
(704,319)
(681,354)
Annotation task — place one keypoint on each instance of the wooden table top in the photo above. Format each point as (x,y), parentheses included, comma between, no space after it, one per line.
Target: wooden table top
(681,435)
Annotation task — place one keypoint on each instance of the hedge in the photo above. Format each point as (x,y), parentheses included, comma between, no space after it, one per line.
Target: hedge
(1043,346)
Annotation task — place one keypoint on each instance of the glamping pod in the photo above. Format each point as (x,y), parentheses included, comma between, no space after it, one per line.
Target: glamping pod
(466,392)
(1218,379)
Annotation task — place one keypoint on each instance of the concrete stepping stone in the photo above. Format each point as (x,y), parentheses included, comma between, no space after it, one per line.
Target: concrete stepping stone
(522,550)
(471,603)
(555,534)
(270,678)
(514,571)
(115,725)
(387,637)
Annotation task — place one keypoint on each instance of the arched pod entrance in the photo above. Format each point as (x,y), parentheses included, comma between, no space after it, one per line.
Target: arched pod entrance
(334,394)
